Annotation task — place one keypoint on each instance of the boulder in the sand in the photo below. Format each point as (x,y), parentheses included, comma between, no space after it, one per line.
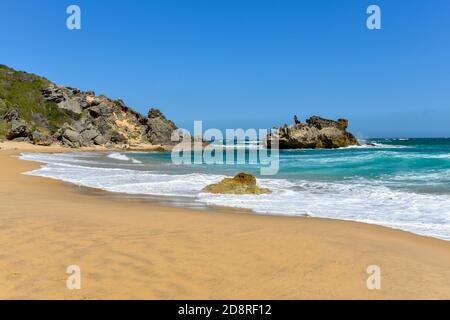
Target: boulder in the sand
(19,129)
(99,140)
(118,137)
(41,137)
(242,183)
(71,138)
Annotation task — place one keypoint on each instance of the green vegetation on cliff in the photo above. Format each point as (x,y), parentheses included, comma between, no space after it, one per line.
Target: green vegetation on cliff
(23,90)
(35,110)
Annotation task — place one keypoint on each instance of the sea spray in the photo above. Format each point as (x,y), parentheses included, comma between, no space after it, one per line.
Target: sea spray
(404,185)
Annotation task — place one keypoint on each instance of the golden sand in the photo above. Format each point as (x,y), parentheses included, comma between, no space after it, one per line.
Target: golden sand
(137,249)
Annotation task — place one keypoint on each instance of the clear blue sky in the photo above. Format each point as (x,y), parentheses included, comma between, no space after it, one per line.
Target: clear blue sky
(247,63)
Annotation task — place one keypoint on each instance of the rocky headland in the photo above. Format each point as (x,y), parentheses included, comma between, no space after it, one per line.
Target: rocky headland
(314,133)
(35,110)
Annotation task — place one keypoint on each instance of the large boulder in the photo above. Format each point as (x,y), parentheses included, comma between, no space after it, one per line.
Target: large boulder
(101,110)
(118,137)
(159,128)
(89,135)
(315,133)
(19,129)
(66,97)
(99,140)
(104,127)
(81,133)
(242,183)
(71,138)
(41,137)
(53,93)
(73,104)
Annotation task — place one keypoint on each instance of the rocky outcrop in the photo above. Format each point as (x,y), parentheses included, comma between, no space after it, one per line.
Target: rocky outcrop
(106,121)
(242,183)
(41,137)
(159,129)
(43,113)
(315,133)
(19,129)
(11,114)
(65,97)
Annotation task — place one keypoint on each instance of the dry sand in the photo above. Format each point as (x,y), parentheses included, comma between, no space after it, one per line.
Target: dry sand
(138,249)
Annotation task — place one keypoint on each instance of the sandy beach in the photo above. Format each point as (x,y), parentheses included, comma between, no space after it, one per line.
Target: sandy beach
(138,249)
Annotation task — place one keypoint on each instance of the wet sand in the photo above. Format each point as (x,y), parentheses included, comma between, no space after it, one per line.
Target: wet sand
(130,248)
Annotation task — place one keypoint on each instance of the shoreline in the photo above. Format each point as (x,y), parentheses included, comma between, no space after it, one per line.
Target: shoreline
(139,248)
(199,203)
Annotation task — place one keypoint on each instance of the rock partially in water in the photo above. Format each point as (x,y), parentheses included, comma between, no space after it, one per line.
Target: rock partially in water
(315,133)
(242,183)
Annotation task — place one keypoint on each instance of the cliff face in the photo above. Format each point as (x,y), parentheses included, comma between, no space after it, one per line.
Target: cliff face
(36,110)
(315,133)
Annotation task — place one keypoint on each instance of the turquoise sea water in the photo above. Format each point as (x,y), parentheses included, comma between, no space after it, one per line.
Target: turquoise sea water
(399,183)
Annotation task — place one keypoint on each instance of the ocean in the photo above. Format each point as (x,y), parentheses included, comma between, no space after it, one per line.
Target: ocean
(398,183)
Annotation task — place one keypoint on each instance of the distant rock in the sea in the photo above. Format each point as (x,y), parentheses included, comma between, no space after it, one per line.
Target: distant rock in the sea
(315,133)
(36,110)
(242,183)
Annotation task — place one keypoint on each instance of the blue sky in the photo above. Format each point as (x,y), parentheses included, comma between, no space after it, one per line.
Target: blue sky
(247,63)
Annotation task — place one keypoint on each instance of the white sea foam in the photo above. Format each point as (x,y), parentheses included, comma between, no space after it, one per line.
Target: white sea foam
(358,200)
(122,157)
(426,177)
(118,156)
(419,213)
(248,145)
(373,145)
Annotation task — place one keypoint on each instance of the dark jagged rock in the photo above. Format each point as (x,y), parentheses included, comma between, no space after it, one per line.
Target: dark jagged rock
(67,98)
(242,183)
(117,137)
(159,128)
(316,133)
(320,123)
